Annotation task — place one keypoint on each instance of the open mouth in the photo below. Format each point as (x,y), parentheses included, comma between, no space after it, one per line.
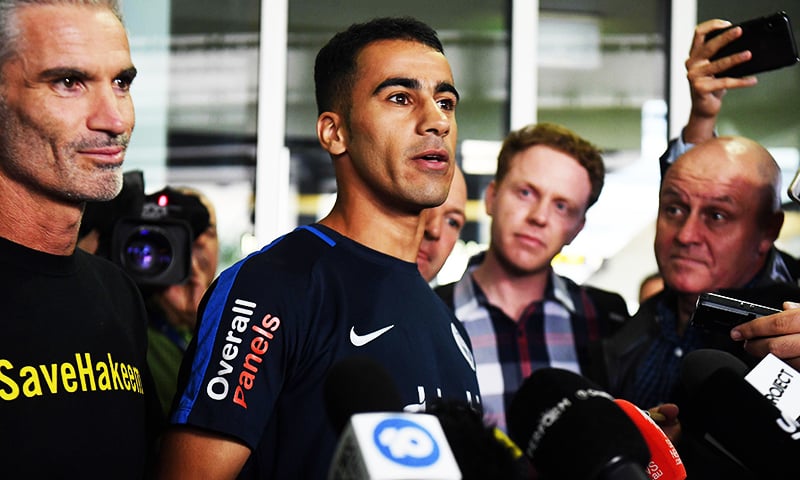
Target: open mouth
(435,157)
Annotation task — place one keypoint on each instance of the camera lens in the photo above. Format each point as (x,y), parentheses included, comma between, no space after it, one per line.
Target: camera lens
(148,251)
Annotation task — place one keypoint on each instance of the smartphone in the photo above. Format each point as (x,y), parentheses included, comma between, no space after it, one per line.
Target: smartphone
(794,188)
(717,313)
(770,39)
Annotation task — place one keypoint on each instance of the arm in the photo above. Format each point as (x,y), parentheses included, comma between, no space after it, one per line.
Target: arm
(191,453)
(705,88)
(778,334)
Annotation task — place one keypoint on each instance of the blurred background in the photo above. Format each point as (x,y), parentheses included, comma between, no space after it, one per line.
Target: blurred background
(225,104)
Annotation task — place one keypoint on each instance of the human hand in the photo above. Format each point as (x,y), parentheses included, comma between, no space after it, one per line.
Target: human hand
(778,334)
(666,417)
(706,88)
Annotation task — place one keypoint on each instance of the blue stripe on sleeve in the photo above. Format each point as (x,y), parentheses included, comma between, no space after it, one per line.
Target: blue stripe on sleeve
(209,326)
(207,335)
(331,242)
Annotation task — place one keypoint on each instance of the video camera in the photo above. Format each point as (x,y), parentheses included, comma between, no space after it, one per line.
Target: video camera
(149,236)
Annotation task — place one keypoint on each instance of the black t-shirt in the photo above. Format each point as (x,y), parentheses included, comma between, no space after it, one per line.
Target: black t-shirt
(72,367)
(275,323)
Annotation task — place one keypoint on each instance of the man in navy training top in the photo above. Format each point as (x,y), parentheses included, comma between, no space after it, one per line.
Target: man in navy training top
(250,400)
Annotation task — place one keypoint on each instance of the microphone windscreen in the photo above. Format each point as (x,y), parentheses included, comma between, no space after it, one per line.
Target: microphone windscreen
(481,451)
(358,385)
(571,429)
(722,405)
(698,365)
(665,463)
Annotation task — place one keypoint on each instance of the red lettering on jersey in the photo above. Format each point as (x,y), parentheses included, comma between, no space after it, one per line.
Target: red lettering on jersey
(258,348)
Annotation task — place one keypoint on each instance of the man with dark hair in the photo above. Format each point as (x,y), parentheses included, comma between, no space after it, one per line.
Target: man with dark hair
(72,360)
(336,67)
(250,399)
(520,315)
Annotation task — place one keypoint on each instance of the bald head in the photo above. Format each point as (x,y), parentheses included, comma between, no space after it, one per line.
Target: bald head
(730,157)
(719,214)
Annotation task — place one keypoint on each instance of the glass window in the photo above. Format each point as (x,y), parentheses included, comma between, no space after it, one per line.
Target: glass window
(196,104)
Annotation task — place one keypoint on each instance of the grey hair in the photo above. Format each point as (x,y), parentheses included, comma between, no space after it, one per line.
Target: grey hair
(9,30)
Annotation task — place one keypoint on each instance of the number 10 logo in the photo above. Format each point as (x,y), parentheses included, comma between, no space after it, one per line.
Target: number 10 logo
(405,442)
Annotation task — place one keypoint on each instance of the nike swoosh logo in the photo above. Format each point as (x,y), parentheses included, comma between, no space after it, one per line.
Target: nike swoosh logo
(361,340)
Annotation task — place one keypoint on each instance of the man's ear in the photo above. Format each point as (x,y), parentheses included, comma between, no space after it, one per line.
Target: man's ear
(331,134)
(576,230)
(488,199)
(772,228)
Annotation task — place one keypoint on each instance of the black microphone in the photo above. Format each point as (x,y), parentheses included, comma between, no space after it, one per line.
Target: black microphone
(570,429)
(735,418)
(358,385)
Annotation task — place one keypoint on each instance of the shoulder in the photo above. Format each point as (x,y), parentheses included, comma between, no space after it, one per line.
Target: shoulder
(768,295)
(640,328)
(445,292)
(607,301)
(106,274)
(288,256)
(621,351)
(610,307)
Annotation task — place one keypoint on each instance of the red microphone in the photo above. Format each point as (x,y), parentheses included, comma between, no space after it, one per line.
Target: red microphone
(665,463)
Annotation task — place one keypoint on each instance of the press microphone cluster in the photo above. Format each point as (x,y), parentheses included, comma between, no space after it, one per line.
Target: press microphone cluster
(737,419)
(570,429)
(380,441)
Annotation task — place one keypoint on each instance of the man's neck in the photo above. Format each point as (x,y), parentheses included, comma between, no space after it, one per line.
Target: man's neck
(510,292)
(38,223)
(397,236)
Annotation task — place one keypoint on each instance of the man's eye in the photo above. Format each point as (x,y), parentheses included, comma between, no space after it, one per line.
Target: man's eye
(718,216)
(399,98)
(122,84)
(447,104)
(454,223)
(68,82)
(671,210)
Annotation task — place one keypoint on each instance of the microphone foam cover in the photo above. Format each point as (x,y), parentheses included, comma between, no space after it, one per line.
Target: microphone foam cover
(665,463)
(358,385)
(724,406)
(570,428)
(698,365)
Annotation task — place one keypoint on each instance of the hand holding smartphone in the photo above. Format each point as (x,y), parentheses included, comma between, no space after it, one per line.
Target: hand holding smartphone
(770,39)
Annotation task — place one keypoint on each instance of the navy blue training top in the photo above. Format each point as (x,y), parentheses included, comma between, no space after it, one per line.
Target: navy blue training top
(273,324)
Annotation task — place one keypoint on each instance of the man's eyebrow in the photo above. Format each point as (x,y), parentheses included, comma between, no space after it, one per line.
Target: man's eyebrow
(458,211)
(128,73)
(413,84)
(448,87)
(63,72)
(408,83)
(71,72)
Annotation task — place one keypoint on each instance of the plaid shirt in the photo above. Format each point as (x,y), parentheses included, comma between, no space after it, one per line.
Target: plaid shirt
(553,332)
